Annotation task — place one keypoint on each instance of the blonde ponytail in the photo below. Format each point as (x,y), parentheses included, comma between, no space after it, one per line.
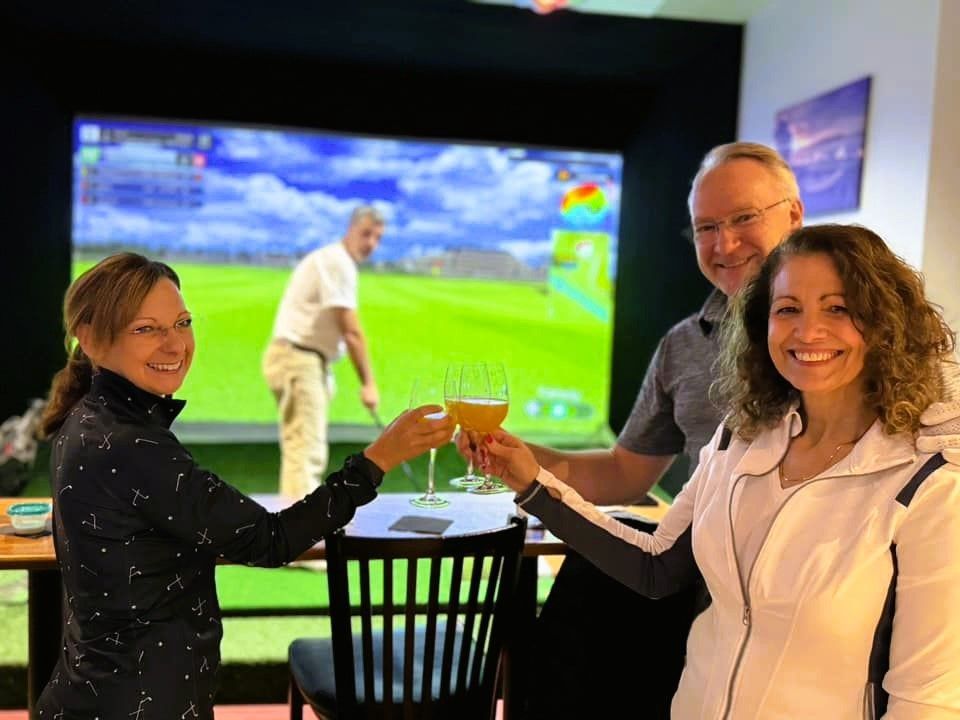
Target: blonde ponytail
(68,386)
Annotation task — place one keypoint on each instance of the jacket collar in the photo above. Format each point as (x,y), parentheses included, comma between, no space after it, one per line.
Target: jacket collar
(124,398)
(712,312)
(874,452)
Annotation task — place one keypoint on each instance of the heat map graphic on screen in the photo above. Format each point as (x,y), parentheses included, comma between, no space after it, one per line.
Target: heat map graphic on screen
(493,252)
(584,205)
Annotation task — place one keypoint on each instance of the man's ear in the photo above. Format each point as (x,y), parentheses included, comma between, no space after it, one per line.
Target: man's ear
(86,342)
(796,213)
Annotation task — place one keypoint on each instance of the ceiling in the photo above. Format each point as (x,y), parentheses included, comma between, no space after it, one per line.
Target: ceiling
(728,11)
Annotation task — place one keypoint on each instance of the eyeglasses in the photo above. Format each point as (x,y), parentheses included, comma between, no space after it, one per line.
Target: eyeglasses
(183,326)
(738,223)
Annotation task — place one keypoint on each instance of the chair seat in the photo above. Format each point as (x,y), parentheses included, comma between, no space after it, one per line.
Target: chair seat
(311,664)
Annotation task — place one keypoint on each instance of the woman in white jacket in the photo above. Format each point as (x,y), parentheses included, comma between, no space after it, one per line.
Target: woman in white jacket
(829,544)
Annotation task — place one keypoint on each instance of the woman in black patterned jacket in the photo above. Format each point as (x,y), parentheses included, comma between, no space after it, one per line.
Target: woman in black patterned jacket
(138,525)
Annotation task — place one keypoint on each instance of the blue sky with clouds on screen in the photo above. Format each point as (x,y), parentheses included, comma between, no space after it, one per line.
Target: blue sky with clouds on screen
(286,192)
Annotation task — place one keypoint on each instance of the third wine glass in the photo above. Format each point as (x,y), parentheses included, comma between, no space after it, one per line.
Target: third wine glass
(483,406)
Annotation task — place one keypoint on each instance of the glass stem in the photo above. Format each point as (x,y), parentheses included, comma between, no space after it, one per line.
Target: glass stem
(431,489)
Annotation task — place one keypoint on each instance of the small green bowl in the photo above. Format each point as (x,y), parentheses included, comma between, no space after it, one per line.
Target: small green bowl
(28,518)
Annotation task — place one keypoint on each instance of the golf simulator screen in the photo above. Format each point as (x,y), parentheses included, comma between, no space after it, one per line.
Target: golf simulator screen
(490,252)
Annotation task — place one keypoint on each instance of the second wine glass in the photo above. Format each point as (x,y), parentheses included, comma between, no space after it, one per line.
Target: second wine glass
(451,398)
(427,392)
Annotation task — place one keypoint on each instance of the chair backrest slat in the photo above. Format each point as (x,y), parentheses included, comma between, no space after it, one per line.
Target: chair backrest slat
(409,636)
(430,641)
(341,634)
(486,617)
(449,639)
(452,677)
(386,658)
(466,656)
(366,625)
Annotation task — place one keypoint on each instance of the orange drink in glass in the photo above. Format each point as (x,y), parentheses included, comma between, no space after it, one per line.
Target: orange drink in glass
(483,415)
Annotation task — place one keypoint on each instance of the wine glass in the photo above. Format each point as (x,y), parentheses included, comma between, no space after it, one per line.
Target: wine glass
(451,398)
(484,402)
(425,392)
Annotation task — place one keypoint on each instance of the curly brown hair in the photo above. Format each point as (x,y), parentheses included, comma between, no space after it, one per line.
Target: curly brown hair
(106,297)
(905,334)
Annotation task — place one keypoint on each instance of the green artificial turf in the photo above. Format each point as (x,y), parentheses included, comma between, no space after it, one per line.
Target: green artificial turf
(13,617)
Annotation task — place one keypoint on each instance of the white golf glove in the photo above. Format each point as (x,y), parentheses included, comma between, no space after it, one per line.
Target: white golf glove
(940,431)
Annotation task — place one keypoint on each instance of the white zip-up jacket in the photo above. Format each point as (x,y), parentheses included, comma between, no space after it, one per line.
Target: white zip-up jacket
(856,582)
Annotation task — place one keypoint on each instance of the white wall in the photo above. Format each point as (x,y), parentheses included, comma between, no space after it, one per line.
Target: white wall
(941,248)
(796,50)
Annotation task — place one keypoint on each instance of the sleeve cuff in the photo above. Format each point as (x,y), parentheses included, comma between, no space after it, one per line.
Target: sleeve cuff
(366,467)
(532,489)
(543,479)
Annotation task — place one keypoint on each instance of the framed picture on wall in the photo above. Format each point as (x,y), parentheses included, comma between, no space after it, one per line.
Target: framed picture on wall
(823,139)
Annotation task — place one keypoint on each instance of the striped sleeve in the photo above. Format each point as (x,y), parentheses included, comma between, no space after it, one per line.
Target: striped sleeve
(653,564)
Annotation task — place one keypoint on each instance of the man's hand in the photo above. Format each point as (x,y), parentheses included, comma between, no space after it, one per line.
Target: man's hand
(369,395)
(940,429)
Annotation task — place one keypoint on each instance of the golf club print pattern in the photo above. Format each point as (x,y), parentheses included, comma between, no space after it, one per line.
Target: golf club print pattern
(138,529)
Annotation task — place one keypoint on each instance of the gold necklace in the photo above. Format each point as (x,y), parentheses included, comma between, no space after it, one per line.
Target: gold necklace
(784,480)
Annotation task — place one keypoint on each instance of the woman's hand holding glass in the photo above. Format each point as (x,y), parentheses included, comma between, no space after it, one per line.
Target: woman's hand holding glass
(470,445)
(410,434)
(507,457)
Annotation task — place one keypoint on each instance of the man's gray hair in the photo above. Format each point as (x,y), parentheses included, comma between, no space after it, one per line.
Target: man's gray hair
(766,156)
(363,212)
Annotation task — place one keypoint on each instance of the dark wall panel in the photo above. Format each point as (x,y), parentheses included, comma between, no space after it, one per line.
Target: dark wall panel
(658,281)
(34,243)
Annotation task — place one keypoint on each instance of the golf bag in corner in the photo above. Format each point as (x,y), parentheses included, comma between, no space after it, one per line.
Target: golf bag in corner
(18,448)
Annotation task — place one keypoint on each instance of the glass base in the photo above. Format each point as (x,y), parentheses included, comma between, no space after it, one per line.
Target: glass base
(492,487)
(467,481)
(430,501)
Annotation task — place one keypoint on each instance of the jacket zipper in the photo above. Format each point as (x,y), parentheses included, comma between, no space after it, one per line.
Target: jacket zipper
(745,585)
(745,594)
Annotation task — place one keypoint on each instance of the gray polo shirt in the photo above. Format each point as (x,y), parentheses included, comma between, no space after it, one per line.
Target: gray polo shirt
(673,413)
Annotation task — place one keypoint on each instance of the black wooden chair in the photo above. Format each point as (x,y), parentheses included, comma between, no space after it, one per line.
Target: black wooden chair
(429,646)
